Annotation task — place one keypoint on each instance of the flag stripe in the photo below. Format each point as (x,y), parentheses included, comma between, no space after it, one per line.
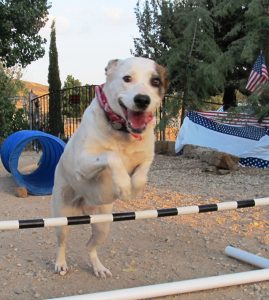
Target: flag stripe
(235,119)
(251,82)
(258,75)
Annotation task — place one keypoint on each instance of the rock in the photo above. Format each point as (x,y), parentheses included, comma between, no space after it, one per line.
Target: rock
(165,147)
(21,192)
(209,169)
(212,157)
(221,160)
(17,291)
(222,171)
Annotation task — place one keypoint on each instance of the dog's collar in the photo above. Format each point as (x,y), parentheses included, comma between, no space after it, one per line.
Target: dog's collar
(116,121)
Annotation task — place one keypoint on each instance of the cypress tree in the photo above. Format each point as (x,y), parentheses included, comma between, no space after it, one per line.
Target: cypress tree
(55,116)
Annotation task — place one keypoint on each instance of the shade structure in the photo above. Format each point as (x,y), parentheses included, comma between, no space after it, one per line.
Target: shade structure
(40,181)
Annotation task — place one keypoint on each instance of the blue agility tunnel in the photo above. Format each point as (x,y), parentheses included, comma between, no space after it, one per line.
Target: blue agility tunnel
(40,181)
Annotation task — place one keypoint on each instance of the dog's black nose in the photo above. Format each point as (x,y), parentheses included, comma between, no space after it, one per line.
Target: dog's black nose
(142,101)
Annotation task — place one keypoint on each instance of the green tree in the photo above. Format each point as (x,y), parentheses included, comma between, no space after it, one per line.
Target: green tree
(258,15)
(11,119)
(209,46)
(55,109)
(184,34)
(72,98)
(240,33)
(71,82)
(20,23)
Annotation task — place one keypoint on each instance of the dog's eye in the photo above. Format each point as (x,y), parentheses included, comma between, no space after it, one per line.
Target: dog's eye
(127,78)
(155,81)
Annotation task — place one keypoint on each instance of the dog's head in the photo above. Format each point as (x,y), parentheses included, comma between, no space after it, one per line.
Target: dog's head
(134,88)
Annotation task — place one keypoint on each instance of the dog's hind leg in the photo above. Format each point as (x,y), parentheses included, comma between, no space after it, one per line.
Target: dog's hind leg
(62,196)
(99,234)
(60,264)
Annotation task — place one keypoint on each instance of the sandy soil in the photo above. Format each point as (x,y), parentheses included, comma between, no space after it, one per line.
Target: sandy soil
(147,251)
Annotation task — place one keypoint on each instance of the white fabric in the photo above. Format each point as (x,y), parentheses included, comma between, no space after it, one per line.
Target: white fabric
(194,134)
(259,150)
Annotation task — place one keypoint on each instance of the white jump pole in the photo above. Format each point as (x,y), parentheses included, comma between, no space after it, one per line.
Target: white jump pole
(247,257)
(173,288)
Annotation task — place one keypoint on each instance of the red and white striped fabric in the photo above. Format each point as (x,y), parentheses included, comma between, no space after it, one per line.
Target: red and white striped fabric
(235,119)
(258,75)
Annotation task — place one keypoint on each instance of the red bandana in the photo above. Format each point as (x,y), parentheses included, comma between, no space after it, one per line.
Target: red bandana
(117,122)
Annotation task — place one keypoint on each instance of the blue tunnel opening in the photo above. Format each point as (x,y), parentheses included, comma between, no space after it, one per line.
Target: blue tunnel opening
(40,181)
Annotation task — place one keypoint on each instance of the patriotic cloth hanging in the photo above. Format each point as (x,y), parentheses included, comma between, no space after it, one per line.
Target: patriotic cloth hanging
(250,143)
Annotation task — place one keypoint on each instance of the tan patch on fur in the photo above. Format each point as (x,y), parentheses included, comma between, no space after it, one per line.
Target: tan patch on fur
(164,78)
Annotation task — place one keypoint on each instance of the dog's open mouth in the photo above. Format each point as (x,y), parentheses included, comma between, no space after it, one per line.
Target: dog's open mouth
(136,120)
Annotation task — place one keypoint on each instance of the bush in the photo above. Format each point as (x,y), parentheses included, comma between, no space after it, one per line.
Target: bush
(11,119)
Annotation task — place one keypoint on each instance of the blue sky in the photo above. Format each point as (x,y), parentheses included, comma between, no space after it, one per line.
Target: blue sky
(88,34)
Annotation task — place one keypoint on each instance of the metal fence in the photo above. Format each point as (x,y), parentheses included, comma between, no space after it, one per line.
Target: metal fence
(73,102)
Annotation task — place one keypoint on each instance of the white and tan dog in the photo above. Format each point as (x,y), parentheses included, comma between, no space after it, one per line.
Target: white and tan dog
(110,154)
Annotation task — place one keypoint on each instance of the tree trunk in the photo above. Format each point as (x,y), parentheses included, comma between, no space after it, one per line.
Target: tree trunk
(185,95)
(266,40)
(229,97)
(266,49)
(182,113)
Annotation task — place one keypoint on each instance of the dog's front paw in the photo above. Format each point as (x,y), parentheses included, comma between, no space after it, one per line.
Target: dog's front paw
(138,184)
(123,189)
(120,177)
(124,193)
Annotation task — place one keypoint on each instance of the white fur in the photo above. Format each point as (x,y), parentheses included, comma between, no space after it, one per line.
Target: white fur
(101,164)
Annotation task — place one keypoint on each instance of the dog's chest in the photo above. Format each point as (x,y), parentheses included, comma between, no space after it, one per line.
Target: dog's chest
(131,158)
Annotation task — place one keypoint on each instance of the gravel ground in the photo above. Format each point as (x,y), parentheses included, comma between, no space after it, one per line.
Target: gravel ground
(142,252)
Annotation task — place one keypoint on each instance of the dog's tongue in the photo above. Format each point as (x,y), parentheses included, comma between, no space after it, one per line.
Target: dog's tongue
(139,120)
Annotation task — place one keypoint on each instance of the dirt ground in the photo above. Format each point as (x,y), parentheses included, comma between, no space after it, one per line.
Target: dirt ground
(142,252)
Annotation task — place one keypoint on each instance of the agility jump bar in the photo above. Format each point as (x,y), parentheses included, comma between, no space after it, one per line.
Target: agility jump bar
(128,216)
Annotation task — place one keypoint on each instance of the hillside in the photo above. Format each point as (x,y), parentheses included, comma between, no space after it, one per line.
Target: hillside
(36,88)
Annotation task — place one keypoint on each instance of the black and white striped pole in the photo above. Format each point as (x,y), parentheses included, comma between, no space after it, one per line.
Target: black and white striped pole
(128,216)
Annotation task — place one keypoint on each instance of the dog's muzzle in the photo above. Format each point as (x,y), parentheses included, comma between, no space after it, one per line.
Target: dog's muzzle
(137,119)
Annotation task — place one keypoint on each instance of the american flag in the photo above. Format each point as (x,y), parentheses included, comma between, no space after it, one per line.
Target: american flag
(235,119)
(258,75)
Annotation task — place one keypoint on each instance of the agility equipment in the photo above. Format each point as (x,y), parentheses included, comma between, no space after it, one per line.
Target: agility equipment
(40,181)
(188,286)
(173,288)
(128,216)
(247,257)
(164,289)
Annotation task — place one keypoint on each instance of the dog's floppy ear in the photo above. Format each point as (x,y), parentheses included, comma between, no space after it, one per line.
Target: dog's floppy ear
(110,66)
(162,71)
